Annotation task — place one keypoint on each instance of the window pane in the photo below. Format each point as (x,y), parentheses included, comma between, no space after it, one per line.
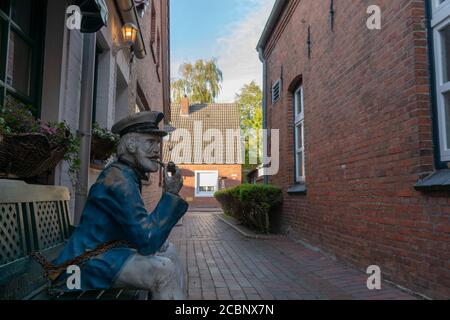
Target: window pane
(4,5)
(447,117)
(445,34)
(207,182)
(21,13)
(299,135)
(298,102)
(207,179)
(206,189)
(299,160)
(19,57)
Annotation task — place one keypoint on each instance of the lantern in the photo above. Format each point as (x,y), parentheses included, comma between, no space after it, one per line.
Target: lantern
(129,33)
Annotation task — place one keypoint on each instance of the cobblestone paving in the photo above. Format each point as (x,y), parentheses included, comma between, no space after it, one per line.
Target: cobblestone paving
(221,264)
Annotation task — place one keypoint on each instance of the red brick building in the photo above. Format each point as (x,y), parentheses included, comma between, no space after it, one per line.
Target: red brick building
(207,148)
(364,132)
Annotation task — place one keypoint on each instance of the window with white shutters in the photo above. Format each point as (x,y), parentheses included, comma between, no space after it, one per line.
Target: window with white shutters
(206,183)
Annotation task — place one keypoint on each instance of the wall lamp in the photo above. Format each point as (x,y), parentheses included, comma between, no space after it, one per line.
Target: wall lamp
(129,34)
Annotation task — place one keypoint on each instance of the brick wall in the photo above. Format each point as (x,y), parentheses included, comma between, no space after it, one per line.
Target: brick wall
(368,138)
(144,72)
(148,74)
(233,173)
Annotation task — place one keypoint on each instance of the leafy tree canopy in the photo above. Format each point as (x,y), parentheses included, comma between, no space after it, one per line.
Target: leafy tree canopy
(250,103)
(200,81)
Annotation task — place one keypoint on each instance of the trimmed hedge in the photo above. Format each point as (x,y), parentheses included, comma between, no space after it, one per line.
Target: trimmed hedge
(252,204)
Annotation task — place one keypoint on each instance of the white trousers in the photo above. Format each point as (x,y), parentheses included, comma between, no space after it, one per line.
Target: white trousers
(161,274)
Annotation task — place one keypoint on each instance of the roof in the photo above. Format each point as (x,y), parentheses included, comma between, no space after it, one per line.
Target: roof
(222,117)
(270,25)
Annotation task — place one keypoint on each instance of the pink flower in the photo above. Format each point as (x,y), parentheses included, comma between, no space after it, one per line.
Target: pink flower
(46,129)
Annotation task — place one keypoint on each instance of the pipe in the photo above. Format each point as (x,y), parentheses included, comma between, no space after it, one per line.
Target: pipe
(85,122)
(129,14)
(264,101)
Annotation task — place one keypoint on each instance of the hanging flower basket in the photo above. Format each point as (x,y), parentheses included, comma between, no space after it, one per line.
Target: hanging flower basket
(28,155)
(30,147)
(103,143)
(102,148)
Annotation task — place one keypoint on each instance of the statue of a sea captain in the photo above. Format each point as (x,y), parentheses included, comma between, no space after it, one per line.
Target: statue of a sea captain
(134,251)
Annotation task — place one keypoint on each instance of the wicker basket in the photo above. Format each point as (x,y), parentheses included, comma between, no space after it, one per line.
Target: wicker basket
(102,149)
(28,155)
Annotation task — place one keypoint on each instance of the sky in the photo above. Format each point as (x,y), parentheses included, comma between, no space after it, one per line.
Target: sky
(227,30)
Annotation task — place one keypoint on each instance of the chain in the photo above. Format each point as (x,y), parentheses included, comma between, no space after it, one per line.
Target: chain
(52,272)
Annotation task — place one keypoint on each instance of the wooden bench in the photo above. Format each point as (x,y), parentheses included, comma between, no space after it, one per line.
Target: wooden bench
(36,218)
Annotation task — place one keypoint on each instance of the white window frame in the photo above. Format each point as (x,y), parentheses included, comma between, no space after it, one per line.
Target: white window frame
(205,194)
(440,20)
(440,11)
(299,120)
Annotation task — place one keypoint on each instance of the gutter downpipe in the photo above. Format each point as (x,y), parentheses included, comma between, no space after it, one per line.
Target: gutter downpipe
(85,122)
(128,13)
(264,104)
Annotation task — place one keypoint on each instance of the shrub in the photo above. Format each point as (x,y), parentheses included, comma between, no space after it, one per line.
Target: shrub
(228,198)
(251,204)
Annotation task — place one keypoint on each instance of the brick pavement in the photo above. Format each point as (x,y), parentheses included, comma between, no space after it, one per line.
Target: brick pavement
(221,264)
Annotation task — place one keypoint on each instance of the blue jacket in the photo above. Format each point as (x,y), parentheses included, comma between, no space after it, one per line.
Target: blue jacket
(115,211)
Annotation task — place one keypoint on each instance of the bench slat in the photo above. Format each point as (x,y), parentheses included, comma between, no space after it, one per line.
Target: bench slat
(14,191)
(32,218)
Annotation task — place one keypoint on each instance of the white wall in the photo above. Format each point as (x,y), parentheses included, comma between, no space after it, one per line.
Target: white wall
(62,79)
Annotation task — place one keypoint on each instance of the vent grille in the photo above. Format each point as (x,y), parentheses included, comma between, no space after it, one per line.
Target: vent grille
(276,91)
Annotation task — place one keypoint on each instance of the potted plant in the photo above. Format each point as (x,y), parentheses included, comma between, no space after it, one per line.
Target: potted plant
(30,147)
(103,143)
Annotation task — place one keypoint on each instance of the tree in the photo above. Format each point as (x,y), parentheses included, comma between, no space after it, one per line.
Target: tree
(200,81)
(250,103)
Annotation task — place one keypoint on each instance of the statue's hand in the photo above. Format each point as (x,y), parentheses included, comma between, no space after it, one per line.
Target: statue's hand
(174,183)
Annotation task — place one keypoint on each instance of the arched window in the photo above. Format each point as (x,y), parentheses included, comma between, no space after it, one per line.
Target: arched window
(299,133)
(441,36)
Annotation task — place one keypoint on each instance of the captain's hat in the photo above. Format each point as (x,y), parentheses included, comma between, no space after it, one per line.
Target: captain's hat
(143,122)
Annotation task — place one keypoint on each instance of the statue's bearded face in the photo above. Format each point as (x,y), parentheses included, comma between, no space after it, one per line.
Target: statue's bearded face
(147,152)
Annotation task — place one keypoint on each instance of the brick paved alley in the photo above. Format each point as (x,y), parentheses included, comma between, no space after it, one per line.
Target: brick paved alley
(222,264)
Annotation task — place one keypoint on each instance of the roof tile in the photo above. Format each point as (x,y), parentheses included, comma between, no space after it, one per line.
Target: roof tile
(223,117)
